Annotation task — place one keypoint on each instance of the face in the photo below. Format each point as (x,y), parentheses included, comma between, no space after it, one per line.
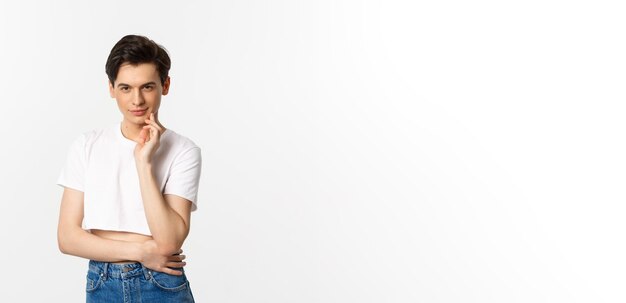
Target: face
(138,91)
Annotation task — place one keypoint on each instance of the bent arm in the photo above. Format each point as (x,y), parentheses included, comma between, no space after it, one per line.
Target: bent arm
(168,216)
(73,240)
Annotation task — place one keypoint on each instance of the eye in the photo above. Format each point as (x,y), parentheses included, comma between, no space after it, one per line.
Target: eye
(124,88)
(148,87)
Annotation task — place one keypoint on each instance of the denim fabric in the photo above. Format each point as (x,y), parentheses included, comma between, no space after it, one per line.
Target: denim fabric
(134,283)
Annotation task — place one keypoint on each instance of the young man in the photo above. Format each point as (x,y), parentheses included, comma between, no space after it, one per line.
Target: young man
(129,188)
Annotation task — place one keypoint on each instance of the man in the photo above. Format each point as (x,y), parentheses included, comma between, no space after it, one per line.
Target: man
(129,189)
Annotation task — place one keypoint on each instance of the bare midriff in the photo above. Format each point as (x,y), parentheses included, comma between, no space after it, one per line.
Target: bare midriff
(121,236)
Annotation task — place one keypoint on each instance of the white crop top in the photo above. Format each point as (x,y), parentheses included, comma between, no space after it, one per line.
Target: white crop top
(101,164)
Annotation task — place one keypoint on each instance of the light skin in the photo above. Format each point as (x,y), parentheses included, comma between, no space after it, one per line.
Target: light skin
(137,90)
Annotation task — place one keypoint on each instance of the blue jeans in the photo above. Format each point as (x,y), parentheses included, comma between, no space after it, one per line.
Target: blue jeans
(134,283)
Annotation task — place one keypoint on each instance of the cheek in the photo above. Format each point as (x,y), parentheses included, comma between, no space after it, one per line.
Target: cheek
(122,101)
(152,98)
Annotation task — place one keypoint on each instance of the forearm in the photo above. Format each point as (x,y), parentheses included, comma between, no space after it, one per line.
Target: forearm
(81,243)
(168,229)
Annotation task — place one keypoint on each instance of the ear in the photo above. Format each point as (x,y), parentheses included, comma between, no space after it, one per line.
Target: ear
(111,89)
(166,86)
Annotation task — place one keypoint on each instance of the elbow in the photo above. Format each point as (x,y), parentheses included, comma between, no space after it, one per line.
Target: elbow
(63,245)
(168,249)
(64,241)
(64,250)
(170,244)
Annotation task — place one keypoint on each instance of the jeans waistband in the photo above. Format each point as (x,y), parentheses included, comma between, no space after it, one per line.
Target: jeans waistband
(118,271)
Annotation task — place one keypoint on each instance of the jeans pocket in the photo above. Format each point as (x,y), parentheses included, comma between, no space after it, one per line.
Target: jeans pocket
(169,282)
(94,280)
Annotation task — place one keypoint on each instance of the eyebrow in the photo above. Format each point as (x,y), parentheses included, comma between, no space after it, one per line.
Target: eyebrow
(149,83)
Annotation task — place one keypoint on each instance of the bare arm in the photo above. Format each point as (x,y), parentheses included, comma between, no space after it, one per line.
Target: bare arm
(73,240)
(168,216)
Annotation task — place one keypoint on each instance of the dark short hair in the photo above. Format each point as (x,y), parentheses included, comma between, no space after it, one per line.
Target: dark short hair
(136,49)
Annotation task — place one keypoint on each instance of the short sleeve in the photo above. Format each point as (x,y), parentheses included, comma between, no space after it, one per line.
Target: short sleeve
(184,176)
(73,172)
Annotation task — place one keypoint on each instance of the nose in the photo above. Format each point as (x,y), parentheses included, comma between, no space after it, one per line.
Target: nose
(138,98)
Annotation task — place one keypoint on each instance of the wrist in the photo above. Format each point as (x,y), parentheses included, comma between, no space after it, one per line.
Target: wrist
(137,252)
(143,166)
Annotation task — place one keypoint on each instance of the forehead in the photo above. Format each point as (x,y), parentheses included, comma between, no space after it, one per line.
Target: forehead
(137,74)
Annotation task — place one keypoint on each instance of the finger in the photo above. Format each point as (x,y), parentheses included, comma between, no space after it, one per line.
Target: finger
(154,131)
(146,134)
(143,135)
(176,264)
(172,271)
(176,258)
(153,123)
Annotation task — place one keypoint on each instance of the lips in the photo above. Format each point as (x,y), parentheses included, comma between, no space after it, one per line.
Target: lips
(139,112)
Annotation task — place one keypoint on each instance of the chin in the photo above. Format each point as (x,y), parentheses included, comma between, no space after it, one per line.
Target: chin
(136,120)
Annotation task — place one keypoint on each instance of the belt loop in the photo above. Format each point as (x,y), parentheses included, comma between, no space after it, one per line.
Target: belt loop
(146,272)
(105,270)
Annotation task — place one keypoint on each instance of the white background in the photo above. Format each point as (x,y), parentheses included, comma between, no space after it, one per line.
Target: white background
(354,151)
